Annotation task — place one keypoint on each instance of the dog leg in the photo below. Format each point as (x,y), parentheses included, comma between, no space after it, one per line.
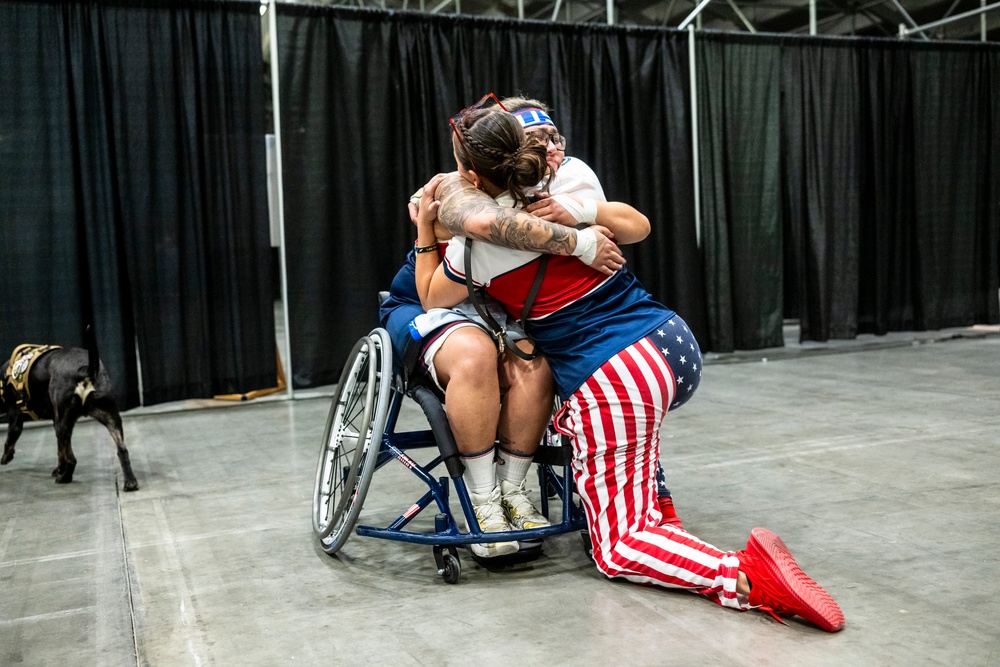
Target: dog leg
(15,424)
(67,461)
(106,412)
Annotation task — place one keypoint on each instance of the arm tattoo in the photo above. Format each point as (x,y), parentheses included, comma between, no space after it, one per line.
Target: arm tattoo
(508,227)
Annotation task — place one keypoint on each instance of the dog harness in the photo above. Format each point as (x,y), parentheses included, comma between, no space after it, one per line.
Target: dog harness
(18,371)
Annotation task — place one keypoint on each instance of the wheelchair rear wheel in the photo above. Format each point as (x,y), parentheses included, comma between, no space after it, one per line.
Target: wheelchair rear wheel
(352,439)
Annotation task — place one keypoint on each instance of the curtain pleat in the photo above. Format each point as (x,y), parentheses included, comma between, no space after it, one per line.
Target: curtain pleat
(134,191)
(739,94)
(822,146)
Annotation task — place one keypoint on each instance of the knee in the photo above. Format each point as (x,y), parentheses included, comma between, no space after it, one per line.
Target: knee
(529,377)
(473,359)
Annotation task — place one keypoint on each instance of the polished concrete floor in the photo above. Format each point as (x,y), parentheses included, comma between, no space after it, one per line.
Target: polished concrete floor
(878,462)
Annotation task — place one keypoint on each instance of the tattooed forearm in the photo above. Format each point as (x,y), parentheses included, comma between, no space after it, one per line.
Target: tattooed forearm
(466,211)
(522,231)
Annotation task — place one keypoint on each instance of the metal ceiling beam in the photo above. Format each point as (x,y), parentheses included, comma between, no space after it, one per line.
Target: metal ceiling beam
(742,17)
(903,31)
(690,17)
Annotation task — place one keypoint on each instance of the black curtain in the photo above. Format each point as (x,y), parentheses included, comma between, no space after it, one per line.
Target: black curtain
(134,192)
(888,239)
(930,200)
(739,110)
(955,186)
(365,100)
(885,215)
(61,257)
(821,124)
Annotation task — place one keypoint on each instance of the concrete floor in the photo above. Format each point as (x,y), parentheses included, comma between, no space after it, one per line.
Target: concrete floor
(879,466)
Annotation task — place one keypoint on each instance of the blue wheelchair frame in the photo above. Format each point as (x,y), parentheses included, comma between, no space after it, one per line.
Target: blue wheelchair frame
(448,535)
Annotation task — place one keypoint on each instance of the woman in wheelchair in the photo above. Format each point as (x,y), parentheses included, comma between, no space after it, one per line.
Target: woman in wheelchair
(492,396)
(620,361)
(456,352)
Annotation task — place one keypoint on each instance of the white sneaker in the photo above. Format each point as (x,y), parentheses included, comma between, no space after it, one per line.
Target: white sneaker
(491,518)
(521,512)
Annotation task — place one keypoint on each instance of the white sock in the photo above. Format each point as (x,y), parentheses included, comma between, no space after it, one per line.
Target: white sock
(511,468)
(480,472)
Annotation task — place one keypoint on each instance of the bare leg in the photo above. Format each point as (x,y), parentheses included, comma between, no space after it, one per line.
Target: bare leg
(526,411)
(466,367)
(527,407)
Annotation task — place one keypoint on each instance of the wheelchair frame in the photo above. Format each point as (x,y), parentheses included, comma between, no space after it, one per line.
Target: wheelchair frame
(364,412)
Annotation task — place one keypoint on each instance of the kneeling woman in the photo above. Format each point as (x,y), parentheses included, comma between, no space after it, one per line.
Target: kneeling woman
(620,360)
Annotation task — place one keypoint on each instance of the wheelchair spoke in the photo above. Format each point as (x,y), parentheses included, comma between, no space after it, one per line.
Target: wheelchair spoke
(354,425)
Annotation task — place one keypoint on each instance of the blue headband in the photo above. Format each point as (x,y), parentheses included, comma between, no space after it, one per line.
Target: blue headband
(532,117)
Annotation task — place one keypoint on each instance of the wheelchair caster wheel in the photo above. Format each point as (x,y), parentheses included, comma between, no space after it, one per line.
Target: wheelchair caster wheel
(448,564)
(452,571)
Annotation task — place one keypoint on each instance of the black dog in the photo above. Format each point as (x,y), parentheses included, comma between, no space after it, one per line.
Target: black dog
(64,384)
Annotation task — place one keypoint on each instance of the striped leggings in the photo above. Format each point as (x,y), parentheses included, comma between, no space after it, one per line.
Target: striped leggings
(614,421)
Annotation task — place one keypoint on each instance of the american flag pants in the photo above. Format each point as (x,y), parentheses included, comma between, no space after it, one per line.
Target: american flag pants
(613,421)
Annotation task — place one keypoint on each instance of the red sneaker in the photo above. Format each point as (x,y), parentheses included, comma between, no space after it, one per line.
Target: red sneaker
(780,587)
(666,504)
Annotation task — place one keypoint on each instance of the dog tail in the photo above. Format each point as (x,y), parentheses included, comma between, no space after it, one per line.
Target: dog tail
(94,359)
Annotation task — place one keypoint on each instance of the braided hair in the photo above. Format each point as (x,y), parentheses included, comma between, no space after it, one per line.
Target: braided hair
(494,145)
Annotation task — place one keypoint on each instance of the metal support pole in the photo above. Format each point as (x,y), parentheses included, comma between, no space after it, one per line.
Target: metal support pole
(272,28)
(670,11)
(812,17)
(520,9)
(982,22)
(555,10)
(692,15)
(611,12)
(741,16)
(695,144)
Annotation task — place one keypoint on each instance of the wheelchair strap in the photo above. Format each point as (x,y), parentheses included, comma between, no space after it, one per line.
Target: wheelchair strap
(498,331)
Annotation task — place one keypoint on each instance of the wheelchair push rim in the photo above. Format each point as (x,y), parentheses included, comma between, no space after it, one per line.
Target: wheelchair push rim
(351,440)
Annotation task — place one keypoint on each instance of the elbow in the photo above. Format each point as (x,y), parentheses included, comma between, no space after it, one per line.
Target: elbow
(643,228)
(634,230)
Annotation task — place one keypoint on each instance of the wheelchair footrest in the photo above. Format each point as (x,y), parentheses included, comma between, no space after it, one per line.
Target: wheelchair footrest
(527,552)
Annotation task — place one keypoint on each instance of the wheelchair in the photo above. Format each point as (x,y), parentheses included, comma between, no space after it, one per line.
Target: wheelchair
(360,437)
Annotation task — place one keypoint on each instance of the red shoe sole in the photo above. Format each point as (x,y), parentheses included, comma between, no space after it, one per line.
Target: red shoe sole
(814,604)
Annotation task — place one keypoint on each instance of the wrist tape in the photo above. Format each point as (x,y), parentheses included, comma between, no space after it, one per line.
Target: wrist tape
(583,209)
(586,246)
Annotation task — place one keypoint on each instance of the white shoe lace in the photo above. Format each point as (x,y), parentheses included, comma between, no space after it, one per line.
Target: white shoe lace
(492,519)
(520,509)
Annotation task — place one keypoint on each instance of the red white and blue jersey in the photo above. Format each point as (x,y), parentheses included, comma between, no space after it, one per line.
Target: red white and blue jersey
(580,317)
(575,177)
